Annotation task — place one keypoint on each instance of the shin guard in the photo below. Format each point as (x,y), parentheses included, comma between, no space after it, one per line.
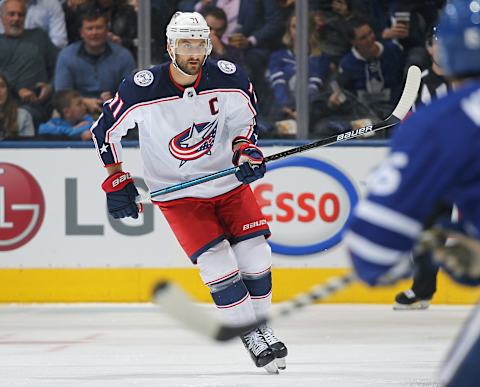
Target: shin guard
(219,272)
(254,259)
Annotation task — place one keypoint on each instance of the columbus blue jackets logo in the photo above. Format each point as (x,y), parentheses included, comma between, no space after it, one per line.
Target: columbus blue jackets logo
(194,142)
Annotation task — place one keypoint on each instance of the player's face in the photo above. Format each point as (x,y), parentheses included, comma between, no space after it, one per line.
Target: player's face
(190,54)
(13,18)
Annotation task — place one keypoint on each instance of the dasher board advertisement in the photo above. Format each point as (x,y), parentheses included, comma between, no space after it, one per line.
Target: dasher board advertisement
(53,211)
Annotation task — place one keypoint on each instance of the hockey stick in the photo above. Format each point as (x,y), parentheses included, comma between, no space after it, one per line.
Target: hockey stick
(407,99)
(177,304)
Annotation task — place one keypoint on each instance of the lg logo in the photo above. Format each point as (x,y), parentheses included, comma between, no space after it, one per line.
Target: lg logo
(22,207)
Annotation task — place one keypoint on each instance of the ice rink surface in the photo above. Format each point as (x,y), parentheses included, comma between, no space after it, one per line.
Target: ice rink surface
(138,345)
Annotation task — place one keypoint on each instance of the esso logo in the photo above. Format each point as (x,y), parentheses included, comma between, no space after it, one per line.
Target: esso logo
(22,207)
(306,203)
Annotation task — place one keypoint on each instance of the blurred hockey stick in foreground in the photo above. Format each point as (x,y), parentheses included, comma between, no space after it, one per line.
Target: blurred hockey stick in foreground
(176,303)
(407,99)
(460,258)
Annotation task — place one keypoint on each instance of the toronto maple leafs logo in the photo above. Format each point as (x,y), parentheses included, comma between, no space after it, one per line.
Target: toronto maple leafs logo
(193,142)
(375,81)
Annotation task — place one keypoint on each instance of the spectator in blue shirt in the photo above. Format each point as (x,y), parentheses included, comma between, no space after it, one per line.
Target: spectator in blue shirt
(74,122)
(371,71)
(282,69)
(93,66)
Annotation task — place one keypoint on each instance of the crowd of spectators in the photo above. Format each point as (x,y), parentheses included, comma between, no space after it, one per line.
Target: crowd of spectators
(61,59)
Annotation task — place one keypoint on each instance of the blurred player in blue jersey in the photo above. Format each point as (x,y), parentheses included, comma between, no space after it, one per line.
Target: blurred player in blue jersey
(196,117)
(434,158)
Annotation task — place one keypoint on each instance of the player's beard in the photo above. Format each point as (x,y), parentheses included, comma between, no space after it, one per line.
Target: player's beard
(190,66)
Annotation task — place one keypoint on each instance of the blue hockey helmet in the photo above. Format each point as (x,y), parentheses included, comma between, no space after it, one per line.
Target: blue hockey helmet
(459,38)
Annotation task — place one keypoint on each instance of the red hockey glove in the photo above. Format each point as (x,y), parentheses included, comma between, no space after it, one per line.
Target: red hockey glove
(249,159)
(121,194)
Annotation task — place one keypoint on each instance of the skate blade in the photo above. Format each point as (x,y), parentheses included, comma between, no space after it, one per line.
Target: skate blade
(271,368)
(420,305)
(281,363)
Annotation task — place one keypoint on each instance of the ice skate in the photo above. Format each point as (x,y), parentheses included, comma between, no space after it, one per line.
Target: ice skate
(408,300)
(262,355)
(279,349)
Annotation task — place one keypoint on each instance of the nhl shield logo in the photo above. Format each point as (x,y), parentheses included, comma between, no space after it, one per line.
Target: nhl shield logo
(143,78)
(226,67)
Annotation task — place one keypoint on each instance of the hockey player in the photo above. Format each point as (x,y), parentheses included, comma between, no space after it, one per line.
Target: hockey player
(434,158)
(196,117)
(434,85)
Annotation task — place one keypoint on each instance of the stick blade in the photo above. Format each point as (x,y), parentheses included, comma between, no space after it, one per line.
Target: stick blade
(410,92)
(229,332)
(177,304)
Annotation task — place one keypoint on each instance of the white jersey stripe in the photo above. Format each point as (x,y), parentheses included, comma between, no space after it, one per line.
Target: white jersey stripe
(275,75)
(371,251)
(250,132)
(114,101)
(389,219)
(115,152)
(117,110)
(130,109)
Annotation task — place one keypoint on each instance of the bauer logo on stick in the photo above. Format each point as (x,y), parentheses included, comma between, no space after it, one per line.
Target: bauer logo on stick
(355,133)
(22,207)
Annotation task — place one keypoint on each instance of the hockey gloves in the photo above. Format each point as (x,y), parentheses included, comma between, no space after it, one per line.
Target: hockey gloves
(121,194)
(460,257)
(250,161)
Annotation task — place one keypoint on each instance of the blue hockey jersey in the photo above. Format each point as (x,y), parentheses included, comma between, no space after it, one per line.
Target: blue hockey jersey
(282,68)
(184,132)
(377,80)
(434,158)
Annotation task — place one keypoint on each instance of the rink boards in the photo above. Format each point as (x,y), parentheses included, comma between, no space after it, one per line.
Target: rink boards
(57,243)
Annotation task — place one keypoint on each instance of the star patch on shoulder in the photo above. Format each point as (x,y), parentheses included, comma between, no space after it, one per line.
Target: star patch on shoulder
(226,67)
(143,78)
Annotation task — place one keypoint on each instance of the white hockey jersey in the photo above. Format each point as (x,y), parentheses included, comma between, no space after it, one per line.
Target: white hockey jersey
(184,133)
